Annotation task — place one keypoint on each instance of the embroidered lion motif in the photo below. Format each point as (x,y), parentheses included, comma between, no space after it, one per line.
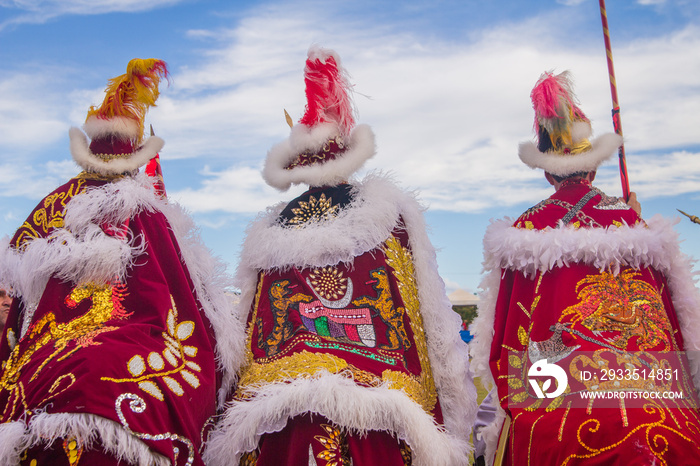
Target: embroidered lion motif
(622,304)
(282,329)
(384,305)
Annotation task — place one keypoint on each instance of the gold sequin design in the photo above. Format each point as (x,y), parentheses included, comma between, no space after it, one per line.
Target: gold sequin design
(305,364)
(401,260)
(249,458)
(621,303)
(336,447)
(406,453)
(73,450)
(145,370)
(80,332)
(328,282)
(313,210)
(655,441)
(50,215)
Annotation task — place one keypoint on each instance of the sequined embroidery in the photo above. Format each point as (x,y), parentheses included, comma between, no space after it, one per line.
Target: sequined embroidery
(138,405)
(391,315)
(401,260)
(146,370)
(79,332)
(49,216)
(280,303)
(73,450)
(328,316)
(313,210)
(622,304)
(336,447)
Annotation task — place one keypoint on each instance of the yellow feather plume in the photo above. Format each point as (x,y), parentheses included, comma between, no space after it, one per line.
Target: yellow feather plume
(131,94)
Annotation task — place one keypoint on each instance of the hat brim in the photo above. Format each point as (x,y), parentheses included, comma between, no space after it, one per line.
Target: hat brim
(83,156)
(360,147)
(602,149)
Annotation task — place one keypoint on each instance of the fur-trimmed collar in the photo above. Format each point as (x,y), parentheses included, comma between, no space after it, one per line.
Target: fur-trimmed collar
(645,244)
(360,227)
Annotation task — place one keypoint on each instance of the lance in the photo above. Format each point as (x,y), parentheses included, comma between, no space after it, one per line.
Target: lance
(693,218)
(617,124)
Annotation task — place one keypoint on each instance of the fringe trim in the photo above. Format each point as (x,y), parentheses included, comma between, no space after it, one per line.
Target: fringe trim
(602,149)
(339,399)
(361,147)
(364,225)
(45,428)
(653,245)
(80,150)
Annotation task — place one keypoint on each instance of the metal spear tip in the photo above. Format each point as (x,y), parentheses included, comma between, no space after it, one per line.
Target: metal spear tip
(288,118)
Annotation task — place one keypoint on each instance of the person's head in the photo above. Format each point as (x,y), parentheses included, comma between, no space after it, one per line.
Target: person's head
(556,180)
(564,146)
(5,303)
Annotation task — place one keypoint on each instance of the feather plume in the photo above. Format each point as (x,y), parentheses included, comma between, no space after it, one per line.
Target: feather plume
(131,94)
(327,91)
(555,107)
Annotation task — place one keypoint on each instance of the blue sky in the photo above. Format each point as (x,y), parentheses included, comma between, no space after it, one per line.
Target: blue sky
(444,84)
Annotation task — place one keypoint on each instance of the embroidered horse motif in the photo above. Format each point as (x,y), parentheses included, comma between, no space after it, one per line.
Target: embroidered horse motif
(282,329)
(384,305)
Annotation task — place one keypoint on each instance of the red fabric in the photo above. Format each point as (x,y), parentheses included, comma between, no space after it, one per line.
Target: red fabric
(600,211)
(578,305)
(307,325)
(48,214)
(329,444)
(354,312)
(81,355)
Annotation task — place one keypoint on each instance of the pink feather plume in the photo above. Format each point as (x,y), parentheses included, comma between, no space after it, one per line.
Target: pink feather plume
(327,91)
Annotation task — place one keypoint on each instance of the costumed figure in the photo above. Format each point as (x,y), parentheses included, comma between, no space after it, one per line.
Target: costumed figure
(582,299)
(354,355)
(109,354)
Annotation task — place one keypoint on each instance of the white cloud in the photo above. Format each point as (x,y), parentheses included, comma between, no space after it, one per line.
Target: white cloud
(448,116)
(39,11)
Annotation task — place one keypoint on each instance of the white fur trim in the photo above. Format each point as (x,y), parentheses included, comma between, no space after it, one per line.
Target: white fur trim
(80,149)
(652,245)
(343,402)
(360,144)
(13,441)
(127,127)
(602,149)
(360,227)
(84,256)
(44,429)
(82,252)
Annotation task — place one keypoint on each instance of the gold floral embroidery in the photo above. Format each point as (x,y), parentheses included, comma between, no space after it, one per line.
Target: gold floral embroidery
(73,449)
(401,260)
(249,458)
(336,447)
(175,354)
(313,209)
(328,282)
